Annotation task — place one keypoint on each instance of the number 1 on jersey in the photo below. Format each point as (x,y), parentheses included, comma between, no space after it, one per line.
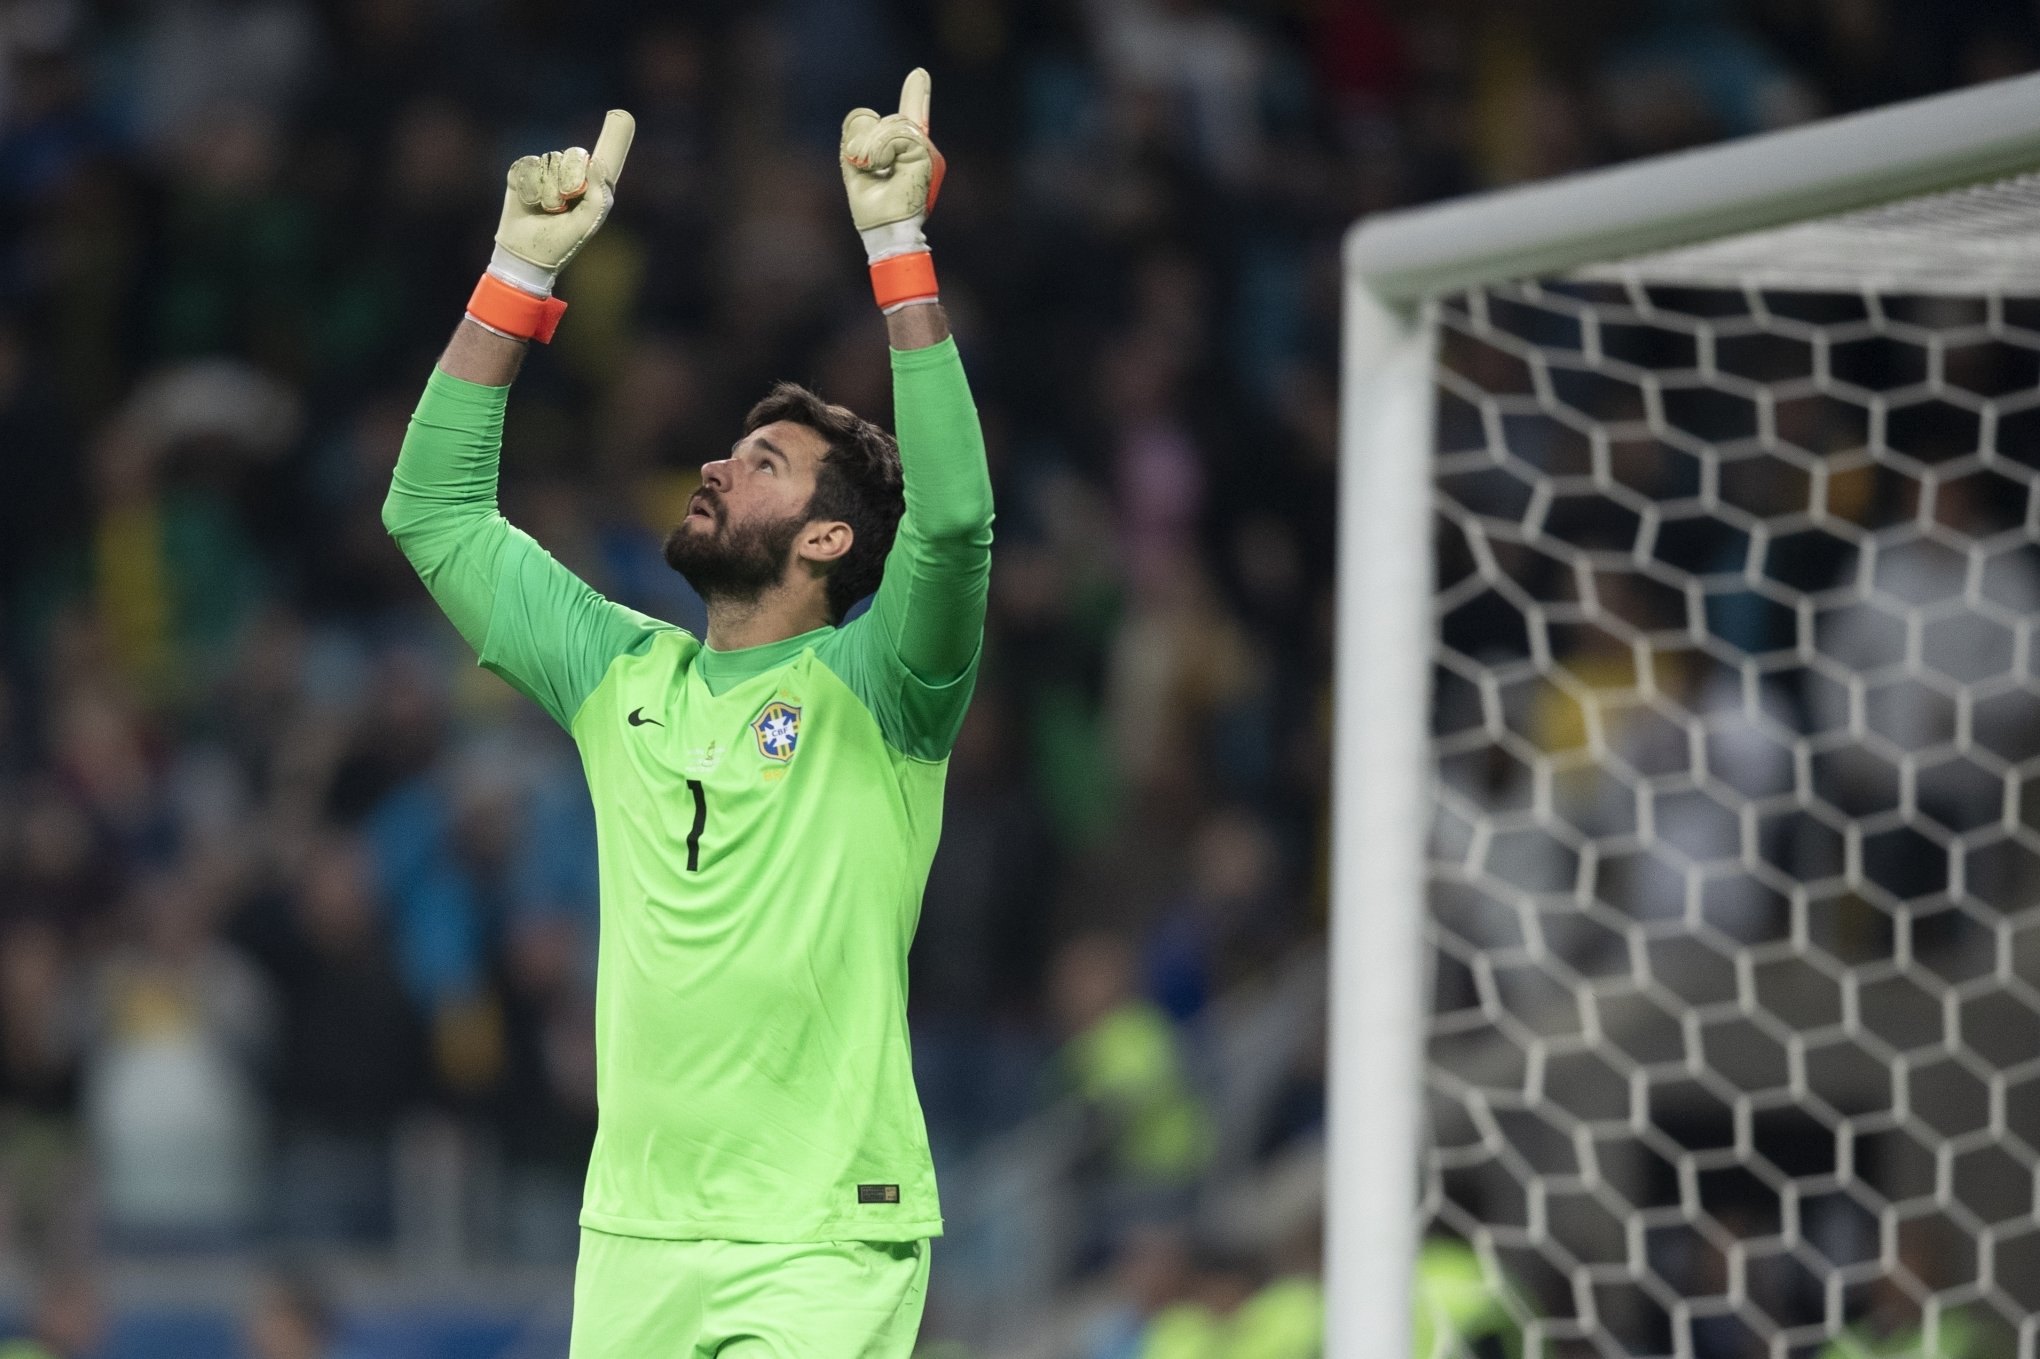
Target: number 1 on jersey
(700,821)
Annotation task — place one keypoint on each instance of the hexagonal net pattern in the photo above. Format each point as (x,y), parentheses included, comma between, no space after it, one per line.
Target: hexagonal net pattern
(1734,1042)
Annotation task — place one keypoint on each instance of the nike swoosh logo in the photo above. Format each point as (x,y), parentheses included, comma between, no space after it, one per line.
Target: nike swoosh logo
(637,718)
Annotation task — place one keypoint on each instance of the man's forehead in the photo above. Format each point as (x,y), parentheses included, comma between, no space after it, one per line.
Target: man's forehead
(795,440)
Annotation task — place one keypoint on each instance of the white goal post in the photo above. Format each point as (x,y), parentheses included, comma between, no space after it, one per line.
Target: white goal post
(1887,193)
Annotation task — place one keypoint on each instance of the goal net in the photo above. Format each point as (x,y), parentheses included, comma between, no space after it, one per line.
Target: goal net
(1696,583)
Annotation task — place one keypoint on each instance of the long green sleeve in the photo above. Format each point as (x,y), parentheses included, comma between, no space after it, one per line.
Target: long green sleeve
(529,619)
(913,656)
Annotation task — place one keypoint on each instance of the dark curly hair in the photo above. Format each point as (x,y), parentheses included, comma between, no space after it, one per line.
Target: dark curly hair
(857,481)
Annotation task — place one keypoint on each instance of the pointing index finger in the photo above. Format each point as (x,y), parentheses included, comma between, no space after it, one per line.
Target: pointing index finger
(914,96)
(612,148)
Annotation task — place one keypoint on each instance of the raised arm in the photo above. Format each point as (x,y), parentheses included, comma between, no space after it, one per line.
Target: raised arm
(926,623)
(930,604)
(528,618)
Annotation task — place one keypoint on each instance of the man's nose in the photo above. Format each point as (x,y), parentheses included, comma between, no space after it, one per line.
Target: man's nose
(716,475)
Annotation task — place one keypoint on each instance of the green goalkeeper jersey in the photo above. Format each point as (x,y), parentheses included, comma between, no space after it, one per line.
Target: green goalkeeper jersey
(765,820)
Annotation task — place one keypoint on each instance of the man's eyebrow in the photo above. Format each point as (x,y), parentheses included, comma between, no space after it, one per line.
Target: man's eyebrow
(771,447)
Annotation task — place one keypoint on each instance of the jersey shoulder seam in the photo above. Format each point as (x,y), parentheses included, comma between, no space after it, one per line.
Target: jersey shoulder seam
(904,678)
(658,633)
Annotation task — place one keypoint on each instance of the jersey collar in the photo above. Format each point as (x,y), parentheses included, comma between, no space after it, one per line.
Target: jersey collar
(727,669)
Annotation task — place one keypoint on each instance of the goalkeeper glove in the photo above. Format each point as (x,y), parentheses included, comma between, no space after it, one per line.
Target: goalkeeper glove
(892,173)
(553,204)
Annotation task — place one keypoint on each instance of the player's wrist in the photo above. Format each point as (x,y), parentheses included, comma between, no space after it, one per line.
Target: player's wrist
(523,274)
(902,269)
(474,320)
(512,312)
(904,281)
(888,239)
(514,298)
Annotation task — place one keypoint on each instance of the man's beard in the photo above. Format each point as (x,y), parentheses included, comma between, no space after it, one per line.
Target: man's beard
(733,563)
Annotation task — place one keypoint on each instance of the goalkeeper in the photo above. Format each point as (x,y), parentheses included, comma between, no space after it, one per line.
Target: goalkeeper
(767,798)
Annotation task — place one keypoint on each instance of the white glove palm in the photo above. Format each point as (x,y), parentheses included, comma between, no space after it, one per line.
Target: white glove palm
(555,202)
(892,172)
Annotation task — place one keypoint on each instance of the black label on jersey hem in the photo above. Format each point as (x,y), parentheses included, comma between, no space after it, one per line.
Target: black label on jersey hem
(878,1193)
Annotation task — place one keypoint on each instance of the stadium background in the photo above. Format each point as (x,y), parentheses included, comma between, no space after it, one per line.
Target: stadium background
(296,905)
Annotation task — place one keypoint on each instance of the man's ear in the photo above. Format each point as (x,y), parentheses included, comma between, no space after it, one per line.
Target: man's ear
(824,541)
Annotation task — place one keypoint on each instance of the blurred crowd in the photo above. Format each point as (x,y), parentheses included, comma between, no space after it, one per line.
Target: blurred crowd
(288,1315)
(287,884)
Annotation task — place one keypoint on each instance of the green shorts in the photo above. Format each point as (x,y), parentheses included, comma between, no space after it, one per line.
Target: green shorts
(638,1298)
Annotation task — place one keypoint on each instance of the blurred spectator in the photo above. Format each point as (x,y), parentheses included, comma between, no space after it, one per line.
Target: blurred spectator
(1233,920)
(291,1317)
(1202,65)
(981,950)
(1196,1327)
(1150,1272)
(1176,1302)
(194,53)
(545,1102)
(180,1029)
(176,570)
(69,1320)
(1180,671)
(1284,1319)
(1120,1057)
(1456,1307)
(1205,1324)
(1893,1321)
(40,501)
(352,1052)
(1911,711)
(1694,72)
(41,1180)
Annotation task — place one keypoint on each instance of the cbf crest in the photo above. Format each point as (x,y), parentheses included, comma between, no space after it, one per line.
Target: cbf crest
(778,730)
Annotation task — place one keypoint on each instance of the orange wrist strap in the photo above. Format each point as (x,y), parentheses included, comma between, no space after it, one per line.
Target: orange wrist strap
(513,311)
(903,278)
